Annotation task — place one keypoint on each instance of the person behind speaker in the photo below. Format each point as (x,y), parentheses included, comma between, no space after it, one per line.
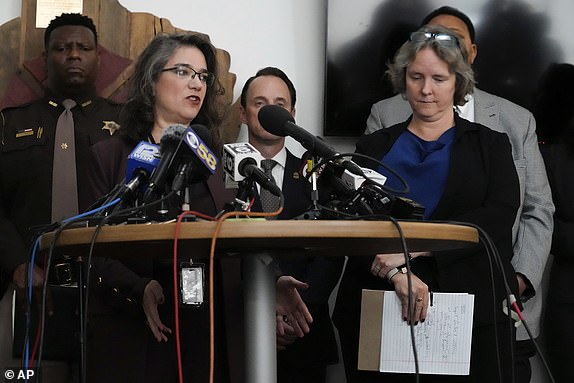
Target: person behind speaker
(554,111)
(298,359)
(533,226)
(71,59)
(459,171)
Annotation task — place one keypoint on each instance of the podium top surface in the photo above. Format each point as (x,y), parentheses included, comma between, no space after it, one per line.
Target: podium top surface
(341,237)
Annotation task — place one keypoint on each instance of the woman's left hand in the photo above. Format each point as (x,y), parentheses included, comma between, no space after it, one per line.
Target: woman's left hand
(420,296)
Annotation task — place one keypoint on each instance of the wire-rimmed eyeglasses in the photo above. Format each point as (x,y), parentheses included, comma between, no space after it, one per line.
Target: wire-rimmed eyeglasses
(186,72)
(441,38)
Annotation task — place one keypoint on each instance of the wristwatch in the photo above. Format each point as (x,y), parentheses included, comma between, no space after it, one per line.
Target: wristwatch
(401,269)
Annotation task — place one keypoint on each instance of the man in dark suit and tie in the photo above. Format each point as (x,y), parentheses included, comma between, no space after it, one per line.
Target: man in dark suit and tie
(298,359)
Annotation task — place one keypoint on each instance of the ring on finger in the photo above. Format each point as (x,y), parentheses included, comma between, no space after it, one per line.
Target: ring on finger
(419,299)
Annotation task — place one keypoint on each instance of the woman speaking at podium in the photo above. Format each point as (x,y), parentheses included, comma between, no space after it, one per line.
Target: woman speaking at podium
(460,171)
(131,319)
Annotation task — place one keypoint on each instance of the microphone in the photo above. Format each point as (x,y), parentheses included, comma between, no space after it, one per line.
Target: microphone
(278,121)
(357,195)
(169,144)
(142,162)
(241,160)
(233,154)
(203,162)
(354,181)
(199,140)
(196,167)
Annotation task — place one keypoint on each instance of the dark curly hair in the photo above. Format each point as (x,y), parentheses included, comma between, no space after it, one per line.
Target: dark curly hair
(69,19)
(138,113)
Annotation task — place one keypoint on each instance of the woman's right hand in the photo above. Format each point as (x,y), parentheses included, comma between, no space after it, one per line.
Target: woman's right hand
(420,296)
(152,297)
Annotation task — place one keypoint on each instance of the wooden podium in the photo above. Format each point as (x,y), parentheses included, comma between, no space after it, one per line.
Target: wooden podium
(257,240)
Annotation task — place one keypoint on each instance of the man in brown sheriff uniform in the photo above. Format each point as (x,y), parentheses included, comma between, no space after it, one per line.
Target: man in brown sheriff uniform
(27,135)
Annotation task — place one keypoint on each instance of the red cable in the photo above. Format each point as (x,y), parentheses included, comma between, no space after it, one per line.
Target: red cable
(32,357)
(517,309)
(219,221)
(31,361)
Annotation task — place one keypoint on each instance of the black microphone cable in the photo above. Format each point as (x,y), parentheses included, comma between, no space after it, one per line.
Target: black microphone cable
(492,256)
(410,300)
(40,230)
(510,302)
(381,164)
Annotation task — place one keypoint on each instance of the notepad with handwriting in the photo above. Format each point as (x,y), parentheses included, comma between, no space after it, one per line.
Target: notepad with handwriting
(443,341)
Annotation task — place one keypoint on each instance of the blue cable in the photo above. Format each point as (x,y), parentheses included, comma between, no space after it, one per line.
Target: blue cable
(87,213)
(31,270)
(30,289)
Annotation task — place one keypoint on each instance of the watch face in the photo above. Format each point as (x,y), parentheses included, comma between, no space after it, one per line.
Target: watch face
(403,270)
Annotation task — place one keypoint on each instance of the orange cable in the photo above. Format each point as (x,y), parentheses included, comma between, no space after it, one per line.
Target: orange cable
(219,223)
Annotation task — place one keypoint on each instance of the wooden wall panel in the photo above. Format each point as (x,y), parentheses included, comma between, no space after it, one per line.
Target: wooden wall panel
(119,31)
(9,43)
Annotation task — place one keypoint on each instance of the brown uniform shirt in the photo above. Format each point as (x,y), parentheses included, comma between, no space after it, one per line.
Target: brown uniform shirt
(26,152)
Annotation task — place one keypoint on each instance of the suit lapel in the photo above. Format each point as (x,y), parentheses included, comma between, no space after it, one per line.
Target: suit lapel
(455,183)
(486,111)
(295,187)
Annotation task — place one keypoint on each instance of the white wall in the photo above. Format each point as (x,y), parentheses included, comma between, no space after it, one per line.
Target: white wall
(256,33)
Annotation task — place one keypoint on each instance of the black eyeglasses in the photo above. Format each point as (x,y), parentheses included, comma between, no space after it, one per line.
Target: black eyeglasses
(186,72)
(441,38)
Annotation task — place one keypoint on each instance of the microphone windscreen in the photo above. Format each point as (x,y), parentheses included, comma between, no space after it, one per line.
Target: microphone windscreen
(273,118)
(172,133)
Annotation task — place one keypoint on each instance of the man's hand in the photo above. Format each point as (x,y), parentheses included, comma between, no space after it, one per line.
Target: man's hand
(152,297)
(288,337)
(291,309)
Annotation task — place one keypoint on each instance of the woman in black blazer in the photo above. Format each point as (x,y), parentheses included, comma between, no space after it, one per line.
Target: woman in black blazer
(132,317)
(458,170)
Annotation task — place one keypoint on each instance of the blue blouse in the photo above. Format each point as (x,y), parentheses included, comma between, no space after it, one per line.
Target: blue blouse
(423,165)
